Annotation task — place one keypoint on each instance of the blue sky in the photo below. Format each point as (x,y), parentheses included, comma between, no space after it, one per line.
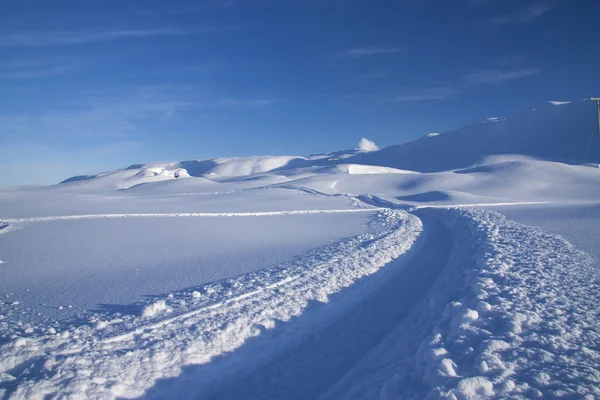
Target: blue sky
(91,86)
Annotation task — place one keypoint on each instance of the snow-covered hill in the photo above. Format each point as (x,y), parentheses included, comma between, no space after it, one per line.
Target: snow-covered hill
(384,276)
(558,131)
(562,132)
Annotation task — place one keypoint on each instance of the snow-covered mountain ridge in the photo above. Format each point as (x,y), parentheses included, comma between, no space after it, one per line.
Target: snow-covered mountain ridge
(559,132)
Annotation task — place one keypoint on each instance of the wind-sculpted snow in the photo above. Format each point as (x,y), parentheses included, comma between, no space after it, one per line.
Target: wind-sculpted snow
(514,315)
(124,355)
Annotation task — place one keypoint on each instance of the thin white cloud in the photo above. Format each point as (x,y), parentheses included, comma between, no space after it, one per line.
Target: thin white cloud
(212,5)
(121,112)
(526,15)
(35,73)
(55,38)
(496,76)
(250,103)
(199,6)
(425,94)
(368,51)
(375,75)
(35,67)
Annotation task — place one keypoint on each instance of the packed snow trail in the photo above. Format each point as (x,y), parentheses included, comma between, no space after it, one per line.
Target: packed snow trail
(370,309)
(514,315)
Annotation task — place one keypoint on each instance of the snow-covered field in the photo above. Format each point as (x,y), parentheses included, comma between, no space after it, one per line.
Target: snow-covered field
(290,278)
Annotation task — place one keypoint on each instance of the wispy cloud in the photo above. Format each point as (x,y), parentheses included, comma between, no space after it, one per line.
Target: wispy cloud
(480,2)
(122,112)
(368,51)
(523,16)
(430,93)
(33,68)
(243,103)
(55,38)
(199,6)
(496,76)
(215,5)
(375,75)
(35,73)
(482,77)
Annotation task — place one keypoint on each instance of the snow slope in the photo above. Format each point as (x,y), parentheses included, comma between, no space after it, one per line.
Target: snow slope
(554,132)
(288,277)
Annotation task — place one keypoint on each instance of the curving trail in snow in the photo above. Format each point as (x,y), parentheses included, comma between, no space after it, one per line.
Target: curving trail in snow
(368,313)
(435,302)
(125,356)
(513,315)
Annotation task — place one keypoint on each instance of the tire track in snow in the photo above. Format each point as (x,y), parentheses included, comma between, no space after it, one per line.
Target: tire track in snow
(222,304)
(330,350)
(179,215)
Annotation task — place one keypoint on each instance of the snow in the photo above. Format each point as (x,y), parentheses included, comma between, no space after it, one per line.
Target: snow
(357,169)
(148,311)
(525,284)
(246,166)
(463,265)
(235,311)
(578,223)
(96,262)
(550,133)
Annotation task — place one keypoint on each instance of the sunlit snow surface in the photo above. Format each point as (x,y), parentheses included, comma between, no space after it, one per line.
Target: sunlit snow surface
(105,263)
(475,276)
